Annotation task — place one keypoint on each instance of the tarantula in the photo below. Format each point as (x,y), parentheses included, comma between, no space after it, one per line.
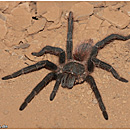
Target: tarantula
(74,70)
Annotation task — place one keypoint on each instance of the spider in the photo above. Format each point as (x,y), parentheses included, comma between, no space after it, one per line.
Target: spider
(75,69)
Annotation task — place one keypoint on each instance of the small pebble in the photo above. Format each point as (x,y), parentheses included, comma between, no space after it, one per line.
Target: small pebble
(89,92)
(5,112)
(22,46)
(124,101)
(21,57)
(94,101)
(14,54)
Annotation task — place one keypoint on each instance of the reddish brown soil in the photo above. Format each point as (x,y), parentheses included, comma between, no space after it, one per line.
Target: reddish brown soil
(76,108)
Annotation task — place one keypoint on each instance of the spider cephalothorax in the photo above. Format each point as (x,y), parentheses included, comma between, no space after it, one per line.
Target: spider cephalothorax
(76,69)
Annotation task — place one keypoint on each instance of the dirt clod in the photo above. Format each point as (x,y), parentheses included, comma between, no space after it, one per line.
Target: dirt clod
(117,18)
(82,10)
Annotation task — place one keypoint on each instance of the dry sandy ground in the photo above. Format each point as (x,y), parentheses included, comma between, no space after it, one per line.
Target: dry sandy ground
(26,27)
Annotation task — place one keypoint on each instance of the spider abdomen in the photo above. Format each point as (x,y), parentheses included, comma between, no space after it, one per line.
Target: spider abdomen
(82,52)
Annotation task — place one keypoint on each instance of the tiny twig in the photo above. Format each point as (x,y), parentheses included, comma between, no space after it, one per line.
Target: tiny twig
(29,58)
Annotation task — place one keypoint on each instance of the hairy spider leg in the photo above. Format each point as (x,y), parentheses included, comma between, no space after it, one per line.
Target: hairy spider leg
(93,54)
(109,68)
(69,46)
(48,78)
(39,65)
(52,50)
(90,65)
(110,38)
(92,83)
(55,89)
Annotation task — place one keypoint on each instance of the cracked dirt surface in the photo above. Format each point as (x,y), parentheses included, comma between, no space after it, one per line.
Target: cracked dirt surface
(27,27)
